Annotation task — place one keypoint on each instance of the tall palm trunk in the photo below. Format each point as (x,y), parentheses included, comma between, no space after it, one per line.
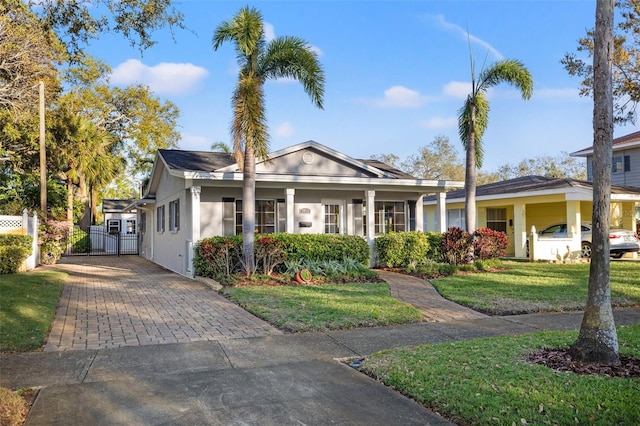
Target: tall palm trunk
(598,340)
(470,183)
(248,208)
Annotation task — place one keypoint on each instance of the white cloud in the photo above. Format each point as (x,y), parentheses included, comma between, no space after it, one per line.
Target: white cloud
(284,130)
(399,97)
(163,78)
(439,123)
(269,32)
(440,21)
(457,89)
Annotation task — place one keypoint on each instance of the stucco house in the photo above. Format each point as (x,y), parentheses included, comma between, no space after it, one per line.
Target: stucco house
(515,205)
(305,188)
(626,160)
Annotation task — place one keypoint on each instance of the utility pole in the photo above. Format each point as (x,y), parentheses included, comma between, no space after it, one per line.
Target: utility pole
(43,155)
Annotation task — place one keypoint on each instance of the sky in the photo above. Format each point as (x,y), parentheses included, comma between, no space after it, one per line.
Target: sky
(397,72)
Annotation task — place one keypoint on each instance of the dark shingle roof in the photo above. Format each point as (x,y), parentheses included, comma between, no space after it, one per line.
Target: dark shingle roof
(114,206)
(197,161)
(399,174)
(631,137)
(533,183)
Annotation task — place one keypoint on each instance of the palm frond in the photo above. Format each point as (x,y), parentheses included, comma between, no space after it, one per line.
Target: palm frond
(474,117)
(245,30)
(249,128)
(292,57)
(508,71)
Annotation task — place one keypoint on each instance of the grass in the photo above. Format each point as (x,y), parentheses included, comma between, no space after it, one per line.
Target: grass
(487,381)
(323,307)
(525,287)
(27,308)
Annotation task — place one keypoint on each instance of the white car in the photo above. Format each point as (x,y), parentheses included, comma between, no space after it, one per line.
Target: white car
(621,240)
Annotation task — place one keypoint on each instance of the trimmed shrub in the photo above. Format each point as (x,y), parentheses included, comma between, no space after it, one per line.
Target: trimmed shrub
(270,252)
(400,249)
(489,244)
(14,250)
(324,247)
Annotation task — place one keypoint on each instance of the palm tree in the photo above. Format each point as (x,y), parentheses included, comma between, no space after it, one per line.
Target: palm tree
(473,118)
(598,340)
(259,60)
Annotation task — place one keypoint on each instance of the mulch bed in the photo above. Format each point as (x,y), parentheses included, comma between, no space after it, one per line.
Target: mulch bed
(560,360)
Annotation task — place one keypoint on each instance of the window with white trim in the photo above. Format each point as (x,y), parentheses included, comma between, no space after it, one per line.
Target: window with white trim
(130,225)
(332,218)
(455,218)
(497,219)
(160,219)
(174,215)
(265,216)
(621,164)
(390,216)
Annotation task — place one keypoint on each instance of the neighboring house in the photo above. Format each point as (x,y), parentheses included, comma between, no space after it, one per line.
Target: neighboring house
(515,205)
(306,188)
(626,160)
(118,234)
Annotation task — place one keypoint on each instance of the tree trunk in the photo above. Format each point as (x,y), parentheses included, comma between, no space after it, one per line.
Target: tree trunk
(470,187)
(70,204)
(598,341)
(248,209)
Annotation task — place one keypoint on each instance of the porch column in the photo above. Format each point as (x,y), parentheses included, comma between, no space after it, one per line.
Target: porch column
(441,216)
(520,229)
(574,224)
(195,230)
(290,192)
(371,223)
(420,213)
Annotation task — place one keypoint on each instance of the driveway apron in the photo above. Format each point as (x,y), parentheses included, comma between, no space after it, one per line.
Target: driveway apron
(111,302)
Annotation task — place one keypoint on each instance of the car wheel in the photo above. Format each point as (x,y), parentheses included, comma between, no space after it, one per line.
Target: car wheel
(586,249)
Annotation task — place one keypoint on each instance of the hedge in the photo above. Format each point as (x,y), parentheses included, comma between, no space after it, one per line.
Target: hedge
(400,249)
(14,250)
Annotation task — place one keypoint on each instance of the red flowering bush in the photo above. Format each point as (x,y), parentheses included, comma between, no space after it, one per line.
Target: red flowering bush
(489,244)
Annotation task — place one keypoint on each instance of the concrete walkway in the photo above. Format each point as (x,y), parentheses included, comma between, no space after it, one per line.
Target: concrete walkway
(112,302)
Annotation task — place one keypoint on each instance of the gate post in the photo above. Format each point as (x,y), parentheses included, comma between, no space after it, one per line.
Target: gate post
(118,241)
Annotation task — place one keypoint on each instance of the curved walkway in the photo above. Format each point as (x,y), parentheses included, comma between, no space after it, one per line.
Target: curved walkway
(111,302)
(420,294)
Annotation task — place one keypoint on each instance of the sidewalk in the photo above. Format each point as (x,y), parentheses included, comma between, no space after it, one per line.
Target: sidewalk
(274,379)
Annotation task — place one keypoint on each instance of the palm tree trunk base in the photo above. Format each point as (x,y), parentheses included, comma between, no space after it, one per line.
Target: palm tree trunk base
(592,351)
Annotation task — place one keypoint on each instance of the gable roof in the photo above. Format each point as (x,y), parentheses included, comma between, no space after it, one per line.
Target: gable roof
(215,168)
(631,140)
(532,184)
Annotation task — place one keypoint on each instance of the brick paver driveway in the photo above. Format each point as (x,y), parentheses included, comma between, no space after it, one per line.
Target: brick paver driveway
(110,302)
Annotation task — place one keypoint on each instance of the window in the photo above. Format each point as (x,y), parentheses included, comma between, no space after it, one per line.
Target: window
(497,219)
(265,217)
(113,226)
(131,226)
(142,225)
(332,218)
(174,215)
(621,164)
(160,219)
(456,219)
(389,217)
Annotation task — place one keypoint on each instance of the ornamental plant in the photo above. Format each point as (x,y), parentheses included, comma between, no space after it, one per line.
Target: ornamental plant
(52,239)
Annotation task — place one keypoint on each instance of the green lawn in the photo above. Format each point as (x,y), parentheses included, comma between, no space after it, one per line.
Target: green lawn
(488,381)
(538,287)
(27,307)
(323,307)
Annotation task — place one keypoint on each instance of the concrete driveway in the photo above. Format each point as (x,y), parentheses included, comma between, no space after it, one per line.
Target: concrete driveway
(112,302)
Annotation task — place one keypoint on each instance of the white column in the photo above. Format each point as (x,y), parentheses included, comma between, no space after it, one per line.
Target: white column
(420,213)
(520,229)
(371,227)
(574,225)
(195,229)
(290,193)
(441,205)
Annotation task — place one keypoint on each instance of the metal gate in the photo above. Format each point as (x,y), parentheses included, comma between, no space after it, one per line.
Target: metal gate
(96,241)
